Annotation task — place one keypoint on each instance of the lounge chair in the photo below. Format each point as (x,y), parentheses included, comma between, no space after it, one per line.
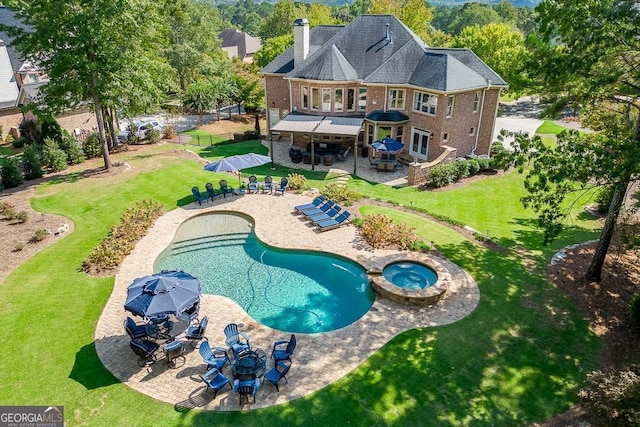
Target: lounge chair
(253,185)
(214,381)
(283,186)
(320,209)
(331,214)
(225,188)
(316,202)
(145,350)
(215,357)
(279,353)
(197,195)
(236,340)
(277,373)
(330,224)
(211,192)
(196,333)
(267,185)
(134,330)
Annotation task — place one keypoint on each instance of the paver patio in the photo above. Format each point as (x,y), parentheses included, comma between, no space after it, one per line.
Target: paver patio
(320,359)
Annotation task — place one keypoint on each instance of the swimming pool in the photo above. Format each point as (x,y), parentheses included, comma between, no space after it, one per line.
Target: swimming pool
(292,291)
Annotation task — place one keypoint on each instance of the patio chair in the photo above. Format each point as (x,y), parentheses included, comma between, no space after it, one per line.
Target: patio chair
(211,192)
(314,204)
(215,357)
(196,333)
(225,188)
(331,214)
(283,186)
(320,209)
(236,340)
(277,373)
(342,155)
(278,353)
(134,330)
(197,195)
(214,381)
(330,224)
(267,185)
(246,388)
(174,351)
(253,184)
(145,350)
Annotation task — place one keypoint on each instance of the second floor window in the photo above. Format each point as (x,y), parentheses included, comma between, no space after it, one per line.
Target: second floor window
(351,99)
(425,103)
(476,101)
(326,99)
(396,99)
(305,97)
(315,98)
(450,106)
(337,101)
(362,98)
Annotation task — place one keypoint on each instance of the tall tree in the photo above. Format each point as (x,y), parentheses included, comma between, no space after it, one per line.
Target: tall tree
(101,53)
(470,14)
(280,21)
(415,14)
(502,48)
(589,51)
(271,48)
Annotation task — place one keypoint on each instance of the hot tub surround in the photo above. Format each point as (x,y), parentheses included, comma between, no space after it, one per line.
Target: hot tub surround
(427,296)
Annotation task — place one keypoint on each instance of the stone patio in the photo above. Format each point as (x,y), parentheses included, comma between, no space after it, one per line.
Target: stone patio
(319,359)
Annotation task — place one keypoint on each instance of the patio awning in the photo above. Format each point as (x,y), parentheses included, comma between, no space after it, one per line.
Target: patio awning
(319,124)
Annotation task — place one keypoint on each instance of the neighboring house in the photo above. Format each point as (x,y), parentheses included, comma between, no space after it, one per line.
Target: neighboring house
(27,79)
(239,44)
(375,78)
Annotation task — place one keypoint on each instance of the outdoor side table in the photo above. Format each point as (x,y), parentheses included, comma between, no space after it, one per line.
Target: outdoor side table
(249,363)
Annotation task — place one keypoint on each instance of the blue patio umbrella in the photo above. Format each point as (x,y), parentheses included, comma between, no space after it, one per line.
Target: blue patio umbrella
(164,294)
(388,144)
(238,162)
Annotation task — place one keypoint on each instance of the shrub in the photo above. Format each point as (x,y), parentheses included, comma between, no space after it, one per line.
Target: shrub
(39,235)
(634,309)
(9,138)
(29,131)
(380,232)
(18,142)
(10,172)
(50,129)
(442,174)
(31,163)
(169,132)
(4,206)
(22,217)
(297,181)
(357,221)
(72,149)
(340,193)
(603,199)
(91,146)
(134,224)
(485,163)
(614,396)
(461,168)
(18,247)
(10,213)
(153,136)
(53,156)
(474,166)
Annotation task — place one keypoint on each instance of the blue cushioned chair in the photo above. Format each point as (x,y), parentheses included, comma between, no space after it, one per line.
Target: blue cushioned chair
(134,330)
(314,204)
(283,186)
(198,196)
(215,357)
(196,333)
(323,208)
(214,381)
(145,350)
(329,224)
(278,353)
(277,373)
(174,351)
(331,214)
(236,340)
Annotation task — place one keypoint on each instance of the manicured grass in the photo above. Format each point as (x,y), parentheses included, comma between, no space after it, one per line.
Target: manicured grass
(550,128)
(7,150)
(517,359)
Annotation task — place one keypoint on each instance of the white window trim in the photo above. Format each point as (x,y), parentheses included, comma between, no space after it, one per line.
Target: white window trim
(476,101)
(328,104)
(305,107)
(335,107)
(393,100)
(450,107)
(429,97)
(358,92)
(355,99)
(311,89)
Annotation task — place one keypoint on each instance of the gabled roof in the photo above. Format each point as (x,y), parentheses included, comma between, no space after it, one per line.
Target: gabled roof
(8,85)
(380,49)
(244,43)
(318,36)
(30,91)
(8,17)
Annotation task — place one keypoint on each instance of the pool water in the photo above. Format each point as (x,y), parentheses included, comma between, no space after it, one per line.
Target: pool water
(410,275)
(292,291)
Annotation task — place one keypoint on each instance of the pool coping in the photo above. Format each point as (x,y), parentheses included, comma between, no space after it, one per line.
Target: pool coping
(314,366)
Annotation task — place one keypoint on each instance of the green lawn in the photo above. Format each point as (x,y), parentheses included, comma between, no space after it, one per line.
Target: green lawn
(518,358)
(550,128)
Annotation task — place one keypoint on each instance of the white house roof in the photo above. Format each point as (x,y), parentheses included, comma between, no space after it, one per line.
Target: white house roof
(327,125)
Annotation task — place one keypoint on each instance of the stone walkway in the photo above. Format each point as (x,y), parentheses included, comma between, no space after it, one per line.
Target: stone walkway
(319,360)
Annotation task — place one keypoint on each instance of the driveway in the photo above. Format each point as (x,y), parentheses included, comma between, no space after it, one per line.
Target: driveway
(520,115)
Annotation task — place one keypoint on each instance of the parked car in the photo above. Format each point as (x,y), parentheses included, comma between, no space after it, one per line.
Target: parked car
(139,130)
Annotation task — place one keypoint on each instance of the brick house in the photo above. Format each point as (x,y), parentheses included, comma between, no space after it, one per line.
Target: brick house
(374,78)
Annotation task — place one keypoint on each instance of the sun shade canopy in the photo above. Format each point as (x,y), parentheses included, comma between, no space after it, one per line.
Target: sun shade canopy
(319,124)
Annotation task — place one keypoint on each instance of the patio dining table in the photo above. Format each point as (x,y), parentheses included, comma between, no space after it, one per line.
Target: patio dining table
(168,328)
(249,363)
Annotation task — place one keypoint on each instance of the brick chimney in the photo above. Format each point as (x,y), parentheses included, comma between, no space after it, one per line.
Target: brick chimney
(300,41)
